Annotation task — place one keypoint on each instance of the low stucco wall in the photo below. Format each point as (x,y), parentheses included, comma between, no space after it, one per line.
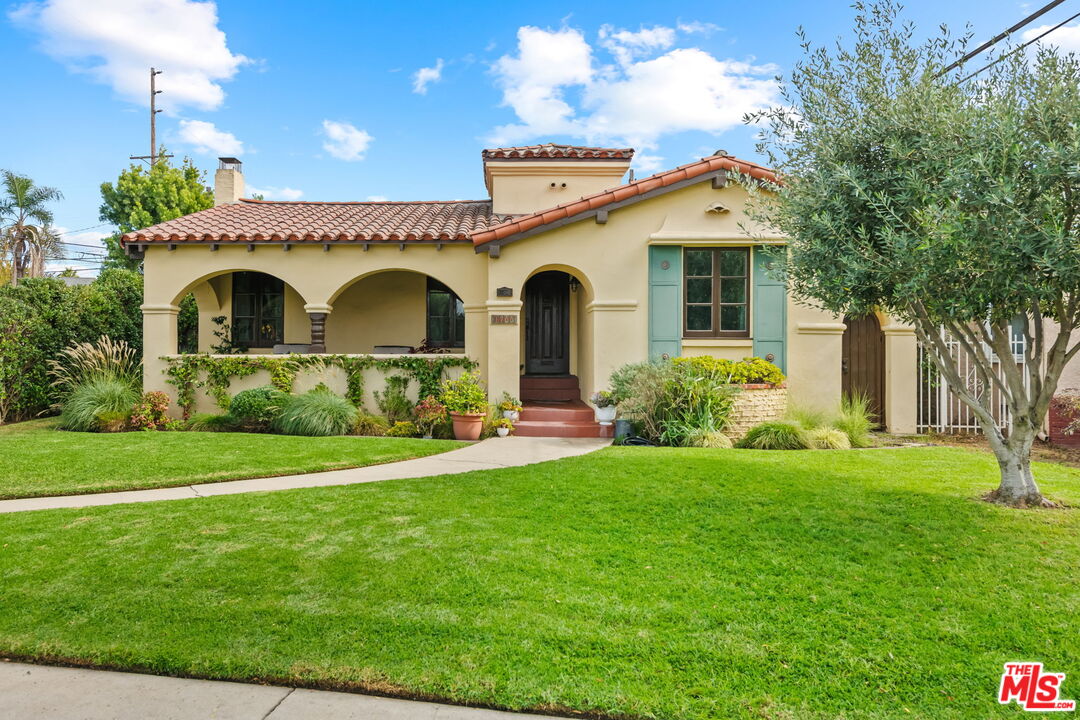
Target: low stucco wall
(306,379)
(756,404)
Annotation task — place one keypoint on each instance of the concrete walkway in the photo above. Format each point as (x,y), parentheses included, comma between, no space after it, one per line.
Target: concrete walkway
(37,692)
(486,455)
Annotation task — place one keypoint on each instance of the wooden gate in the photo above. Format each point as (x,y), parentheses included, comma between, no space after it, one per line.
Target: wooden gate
(863,362)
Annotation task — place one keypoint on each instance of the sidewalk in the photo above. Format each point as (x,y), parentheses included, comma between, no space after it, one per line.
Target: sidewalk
(489,454)
(38,692)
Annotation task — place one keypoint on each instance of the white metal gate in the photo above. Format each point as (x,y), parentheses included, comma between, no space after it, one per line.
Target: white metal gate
(939,408)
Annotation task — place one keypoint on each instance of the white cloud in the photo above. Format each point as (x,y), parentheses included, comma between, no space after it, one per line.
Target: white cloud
(117,41)
(206,138)
(345,141)
(276,193)
(633,102)
(1066,37)
(626,45)
(425,76)
(376,198)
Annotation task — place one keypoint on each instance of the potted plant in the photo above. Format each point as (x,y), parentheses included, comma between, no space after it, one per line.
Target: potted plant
(510,407)
(604,400)
(429,413)
(503,426)
(466,399)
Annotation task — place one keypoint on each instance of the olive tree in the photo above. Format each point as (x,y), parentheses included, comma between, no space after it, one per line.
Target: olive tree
(950,203)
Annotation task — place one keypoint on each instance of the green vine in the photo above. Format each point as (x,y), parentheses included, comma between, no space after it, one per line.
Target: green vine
(188,373)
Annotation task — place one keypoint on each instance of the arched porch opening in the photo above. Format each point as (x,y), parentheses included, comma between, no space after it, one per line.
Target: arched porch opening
(396,311)
(244,311)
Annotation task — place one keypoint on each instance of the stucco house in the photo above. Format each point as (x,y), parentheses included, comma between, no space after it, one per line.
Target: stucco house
(565,273)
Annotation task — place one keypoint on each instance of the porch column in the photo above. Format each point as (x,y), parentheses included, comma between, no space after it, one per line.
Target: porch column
(159,338)
(504,348)
(476,336)
(317,315)
(901,381)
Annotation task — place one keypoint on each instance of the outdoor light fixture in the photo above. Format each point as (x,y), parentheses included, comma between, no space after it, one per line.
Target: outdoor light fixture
(574,284)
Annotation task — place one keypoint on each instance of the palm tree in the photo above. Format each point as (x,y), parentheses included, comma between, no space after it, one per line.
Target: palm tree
(27,237)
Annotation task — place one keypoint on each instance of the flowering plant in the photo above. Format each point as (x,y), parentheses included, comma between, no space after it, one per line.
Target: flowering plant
(602,398)
(509,403)
(465,395)
(149,412)
(503,423)
(429,413)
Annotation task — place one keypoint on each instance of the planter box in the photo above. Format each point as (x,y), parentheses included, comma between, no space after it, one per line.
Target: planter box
(756,404)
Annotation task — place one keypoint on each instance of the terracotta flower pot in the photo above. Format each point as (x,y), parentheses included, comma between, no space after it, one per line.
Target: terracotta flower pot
(467,426)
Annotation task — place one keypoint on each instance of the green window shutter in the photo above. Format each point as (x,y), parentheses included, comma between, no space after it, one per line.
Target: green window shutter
(770,313)
(665,301)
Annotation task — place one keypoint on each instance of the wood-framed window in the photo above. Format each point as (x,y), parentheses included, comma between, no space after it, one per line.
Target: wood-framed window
(445,316)
(716,292)
(258,310)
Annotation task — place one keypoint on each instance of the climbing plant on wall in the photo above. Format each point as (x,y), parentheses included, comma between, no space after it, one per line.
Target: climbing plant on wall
(188,373)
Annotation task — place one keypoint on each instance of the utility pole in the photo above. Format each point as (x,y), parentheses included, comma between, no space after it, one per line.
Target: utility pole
(154,92)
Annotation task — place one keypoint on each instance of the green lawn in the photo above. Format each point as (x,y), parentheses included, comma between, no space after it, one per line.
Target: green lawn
(634,582)
(37,459)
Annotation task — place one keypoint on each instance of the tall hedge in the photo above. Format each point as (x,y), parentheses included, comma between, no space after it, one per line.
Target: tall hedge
(42,316)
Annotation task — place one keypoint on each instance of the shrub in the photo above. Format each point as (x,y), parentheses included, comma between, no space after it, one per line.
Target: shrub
(209,422)
(105,358)
(317,413)
(393,402)
(96,403)
(672,403)
(808,418)
(775,435)
(23,387)
(402,429)
(748,371)
(827,438)
(716,440)
(429,413)
(149,412)
(112,422)
(370,425)
(464,395)
(258,408)
(856,420)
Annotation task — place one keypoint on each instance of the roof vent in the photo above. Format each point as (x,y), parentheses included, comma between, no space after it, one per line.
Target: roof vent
(717,209)
(721,153)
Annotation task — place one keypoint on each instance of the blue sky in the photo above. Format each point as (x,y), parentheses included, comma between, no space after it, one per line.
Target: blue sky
(331,101)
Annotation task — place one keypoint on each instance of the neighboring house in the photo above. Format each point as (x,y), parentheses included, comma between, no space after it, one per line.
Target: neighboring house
(564,275)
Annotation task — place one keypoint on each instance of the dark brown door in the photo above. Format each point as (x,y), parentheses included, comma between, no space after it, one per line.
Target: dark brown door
(863,363)
(547,324)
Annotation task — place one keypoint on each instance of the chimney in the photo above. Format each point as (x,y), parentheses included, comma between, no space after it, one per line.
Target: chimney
(228,181)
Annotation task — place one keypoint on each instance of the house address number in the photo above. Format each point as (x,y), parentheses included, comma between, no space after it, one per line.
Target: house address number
(504,319)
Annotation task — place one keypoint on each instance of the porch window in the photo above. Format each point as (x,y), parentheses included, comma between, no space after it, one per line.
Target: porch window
(445,316)
(258,313)
(716,292)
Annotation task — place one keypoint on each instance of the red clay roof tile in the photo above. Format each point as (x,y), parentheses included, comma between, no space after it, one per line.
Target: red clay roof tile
(253,221)
(551,151)
(598,200)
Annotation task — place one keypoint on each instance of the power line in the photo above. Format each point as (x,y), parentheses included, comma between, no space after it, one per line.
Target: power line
(92,227)
(1001,36)
(1021,47)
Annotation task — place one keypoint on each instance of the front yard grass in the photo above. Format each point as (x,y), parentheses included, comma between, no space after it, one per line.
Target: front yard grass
(37,459)
(632,582)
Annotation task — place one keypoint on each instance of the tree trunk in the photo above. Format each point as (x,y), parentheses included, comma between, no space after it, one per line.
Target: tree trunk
(1017,487)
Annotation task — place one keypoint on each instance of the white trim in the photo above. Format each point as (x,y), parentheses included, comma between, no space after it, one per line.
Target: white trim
(159,309)
(612,306)
(318,308)
(821,328)
(717,342)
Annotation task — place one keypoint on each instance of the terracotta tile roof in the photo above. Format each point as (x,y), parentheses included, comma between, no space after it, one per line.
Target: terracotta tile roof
(551,151)
(257,221)
(597,201)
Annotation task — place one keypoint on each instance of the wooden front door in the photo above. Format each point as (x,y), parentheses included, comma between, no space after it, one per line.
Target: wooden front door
(547,324)
(863,362)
